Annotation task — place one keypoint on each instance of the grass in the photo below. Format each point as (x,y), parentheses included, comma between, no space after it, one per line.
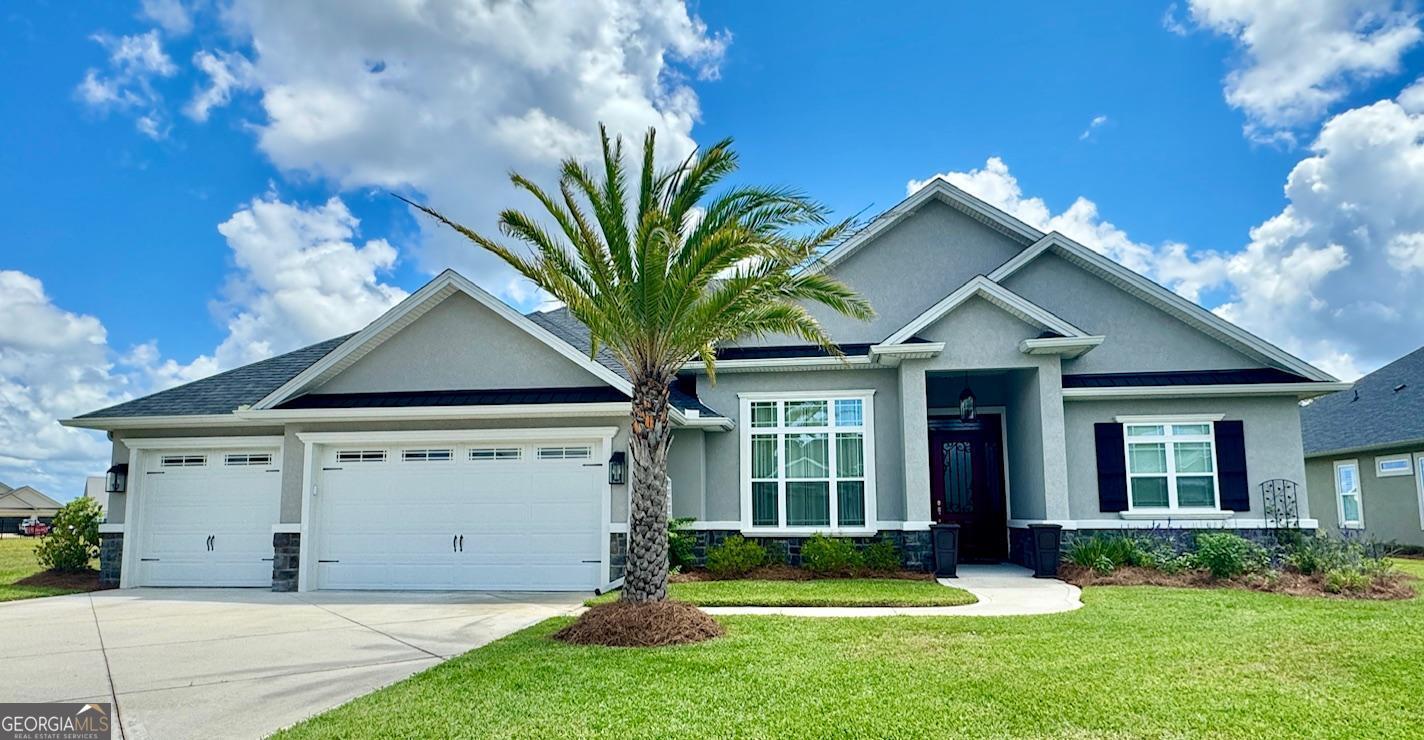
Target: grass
(822,592)
(1134,662)
(17,561)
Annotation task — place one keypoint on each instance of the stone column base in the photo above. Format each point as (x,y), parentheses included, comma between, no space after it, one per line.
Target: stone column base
(111,556)
(286,549)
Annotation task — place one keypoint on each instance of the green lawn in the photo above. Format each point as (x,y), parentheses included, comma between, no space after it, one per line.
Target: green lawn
(824,592)
(17,561)
(1134,662)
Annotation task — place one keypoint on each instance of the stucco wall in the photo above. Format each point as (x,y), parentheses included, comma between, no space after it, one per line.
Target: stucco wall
(1390,505)
(1025,454)
(460,344)
(1271,426)
(1140,338)
(723,496)
(688,471)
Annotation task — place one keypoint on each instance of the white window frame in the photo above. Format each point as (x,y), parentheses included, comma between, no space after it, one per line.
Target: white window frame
(866,430)
(1169,439)
(1382,460)
(1419,484)
(1359,494)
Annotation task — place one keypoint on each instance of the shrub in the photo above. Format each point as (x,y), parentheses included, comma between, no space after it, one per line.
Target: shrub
(1227,555)
(1346,580)
(73,539)
(1103,553)
(829,556)
(681,544)
(882,556)
(1322,554)
(735,557)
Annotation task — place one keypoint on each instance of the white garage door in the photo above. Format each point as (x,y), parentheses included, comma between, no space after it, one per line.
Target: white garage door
(207,517)
(514,516)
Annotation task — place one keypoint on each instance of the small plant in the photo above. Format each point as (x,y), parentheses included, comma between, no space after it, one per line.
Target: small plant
(1347,580)
(681,543)
(1227,555)
(830,556)
(1104,553)
(882,556)
(73,539)
(735,557)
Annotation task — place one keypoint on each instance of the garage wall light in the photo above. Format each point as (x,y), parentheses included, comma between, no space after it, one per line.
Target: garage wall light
(618,469)
(117,480)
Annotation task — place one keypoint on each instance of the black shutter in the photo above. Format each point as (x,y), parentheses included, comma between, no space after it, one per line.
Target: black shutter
(1112,467)
(1231,466)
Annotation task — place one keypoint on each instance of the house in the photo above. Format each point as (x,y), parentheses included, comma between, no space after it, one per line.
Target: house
(1364,454)
(94,489)
(19,504)
(454,443)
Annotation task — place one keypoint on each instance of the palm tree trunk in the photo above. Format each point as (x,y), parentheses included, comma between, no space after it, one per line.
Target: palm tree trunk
(646,576)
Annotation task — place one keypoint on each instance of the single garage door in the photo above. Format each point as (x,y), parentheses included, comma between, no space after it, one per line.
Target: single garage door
(207,517)
(515,516)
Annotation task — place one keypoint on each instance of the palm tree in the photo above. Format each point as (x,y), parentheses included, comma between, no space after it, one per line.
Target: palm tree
(662,284)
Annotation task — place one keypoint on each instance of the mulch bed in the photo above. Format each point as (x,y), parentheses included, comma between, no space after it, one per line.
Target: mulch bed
(789,573)
(1388,588)
(79,580)
(654,624)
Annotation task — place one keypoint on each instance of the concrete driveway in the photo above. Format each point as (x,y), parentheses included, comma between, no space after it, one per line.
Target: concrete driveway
(241,663)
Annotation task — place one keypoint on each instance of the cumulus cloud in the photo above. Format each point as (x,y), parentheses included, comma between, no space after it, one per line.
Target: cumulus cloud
(172,15)
(227,73)
(127,84)
(1298,59)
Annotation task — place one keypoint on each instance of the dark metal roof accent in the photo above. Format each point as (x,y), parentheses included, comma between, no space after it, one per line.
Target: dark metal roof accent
(1248,376)
(224,392)
(1375,413)
(480,397)
(789,351)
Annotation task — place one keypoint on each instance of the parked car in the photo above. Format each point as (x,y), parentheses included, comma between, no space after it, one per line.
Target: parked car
(33,527)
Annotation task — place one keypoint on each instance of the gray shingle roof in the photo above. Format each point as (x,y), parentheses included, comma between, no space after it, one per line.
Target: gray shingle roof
(224,392)
(1376,413)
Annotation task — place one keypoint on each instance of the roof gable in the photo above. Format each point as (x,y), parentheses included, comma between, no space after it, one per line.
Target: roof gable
(26,497)
(1377,412)
(986,289)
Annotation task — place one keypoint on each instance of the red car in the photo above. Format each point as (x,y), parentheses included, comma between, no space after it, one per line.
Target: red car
(34,528)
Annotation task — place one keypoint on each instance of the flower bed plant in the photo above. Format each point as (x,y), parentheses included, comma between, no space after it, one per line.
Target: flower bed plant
(821,557)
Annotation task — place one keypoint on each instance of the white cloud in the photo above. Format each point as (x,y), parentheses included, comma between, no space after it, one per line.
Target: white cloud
(1301,58)
(1093,125)
(172,15)
(1411,99)
(446,97)
(127,85)
(227,72)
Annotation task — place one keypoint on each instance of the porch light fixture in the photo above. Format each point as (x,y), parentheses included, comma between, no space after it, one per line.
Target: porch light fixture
(117,479)
(966,401)
(618,469)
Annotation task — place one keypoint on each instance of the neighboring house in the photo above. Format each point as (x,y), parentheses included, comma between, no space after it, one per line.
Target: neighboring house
(1364,451)
(94,489)
(455,443)
(19,504)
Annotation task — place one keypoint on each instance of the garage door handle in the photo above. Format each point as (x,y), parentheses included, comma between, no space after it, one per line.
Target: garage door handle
(328,561)
(591,561)
(462,543)
(148,560)
(454,538)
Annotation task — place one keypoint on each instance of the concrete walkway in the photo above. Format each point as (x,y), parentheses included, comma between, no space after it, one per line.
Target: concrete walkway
(1003,590)
(219,663)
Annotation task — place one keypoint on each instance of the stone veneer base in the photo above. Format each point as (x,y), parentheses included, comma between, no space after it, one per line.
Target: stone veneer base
(1182,538)
(286,548)
(111,556)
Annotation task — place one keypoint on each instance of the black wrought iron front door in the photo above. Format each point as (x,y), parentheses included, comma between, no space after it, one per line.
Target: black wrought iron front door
(967,484)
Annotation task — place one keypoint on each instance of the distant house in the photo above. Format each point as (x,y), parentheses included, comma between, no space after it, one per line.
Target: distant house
(19,504)
(94,488)
(1364,451)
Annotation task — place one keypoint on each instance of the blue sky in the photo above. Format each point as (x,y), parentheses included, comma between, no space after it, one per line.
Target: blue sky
(135,130)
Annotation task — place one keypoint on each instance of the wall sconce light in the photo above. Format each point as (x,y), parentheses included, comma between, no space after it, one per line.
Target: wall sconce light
(117,479)
(618,469)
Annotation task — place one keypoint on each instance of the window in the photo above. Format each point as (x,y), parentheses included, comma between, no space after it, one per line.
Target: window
(484,454)
(807,461)
(361,456)
(427,455)
(1171,465)
(583,452)
(1347,494)
(1386,467)
(247,458)
(183,461)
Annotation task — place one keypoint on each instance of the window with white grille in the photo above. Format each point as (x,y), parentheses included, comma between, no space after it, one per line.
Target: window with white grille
(184,461)
(238,459)
(427,455)
(486,454)
(582,452)
(361,456)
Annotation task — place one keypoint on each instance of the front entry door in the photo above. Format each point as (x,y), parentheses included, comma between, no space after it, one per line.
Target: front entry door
(967,484)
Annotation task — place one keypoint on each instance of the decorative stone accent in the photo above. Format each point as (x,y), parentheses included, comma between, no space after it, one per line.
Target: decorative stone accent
(286,550)
(111,556)
(617,555)
(916,550)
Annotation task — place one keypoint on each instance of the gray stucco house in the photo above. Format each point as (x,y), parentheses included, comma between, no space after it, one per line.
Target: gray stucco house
(456,444)
(1364,454)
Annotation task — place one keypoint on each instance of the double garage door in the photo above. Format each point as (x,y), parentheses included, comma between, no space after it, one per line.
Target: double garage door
(494,515)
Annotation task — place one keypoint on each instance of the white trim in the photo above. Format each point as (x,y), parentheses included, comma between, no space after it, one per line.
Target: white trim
(618,527)
(732,524)
(1162,523)
(1419,484)
(890,355)
(1359,494)
(783,364)
(982,287)
(1162,298)
(458,435)
(428,413)
(804,395)
(1176,515)
(112,528)
(184,443)
(1069,347)
(1299,390)
(1169,440)
(287,528)
(155,422)
(808,531)
(407,311)
(1169,419)
(133,507)
(1382,459)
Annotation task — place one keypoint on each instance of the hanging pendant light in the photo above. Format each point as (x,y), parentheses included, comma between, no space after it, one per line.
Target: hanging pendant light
(966,401)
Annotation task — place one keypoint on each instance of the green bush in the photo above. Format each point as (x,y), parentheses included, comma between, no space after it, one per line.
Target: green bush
(73,539)
(681,544)
(1103,553)
(824,555)
(735,557)
(1346,580)
(882,556)
(1322,554)
(1227,555)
